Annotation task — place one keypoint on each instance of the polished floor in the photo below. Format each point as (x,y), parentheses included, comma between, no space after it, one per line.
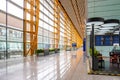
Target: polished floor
(63,66)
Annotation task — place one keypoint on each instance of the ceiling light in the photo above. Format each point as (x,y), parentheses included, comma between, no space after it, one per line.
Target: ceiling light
(99,33)
(111,22)
(117,31)
(96,26)
(107,28)
(95,21)
(110,31)
(104,30)
(89,30)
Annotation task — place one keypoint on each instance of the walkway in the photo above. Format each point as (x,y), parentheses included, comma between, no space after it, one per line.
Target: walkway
(64,66)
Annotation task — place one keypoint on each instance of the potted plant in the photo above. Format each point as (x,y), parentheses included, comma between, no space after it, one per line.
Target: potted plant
(95,52)
(39,52)
(52,50)
(95,58)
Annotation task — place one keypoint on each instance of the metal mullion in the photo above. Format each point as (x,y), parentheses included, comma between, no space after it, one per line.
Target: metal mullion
(46,8)
(46,15)
(10,15)
(15,4)
(46,22)
(12,28)
(49,4)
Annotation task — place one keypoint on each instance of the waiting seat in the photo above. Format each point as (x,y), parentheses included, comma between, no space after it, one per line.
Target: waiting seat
(101,62)
(113,58)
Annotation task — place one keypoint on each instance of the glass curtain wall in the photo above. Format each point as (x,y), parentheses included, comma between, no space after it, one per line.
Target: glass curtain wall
(55,27)
(11,28)
(46,24)
(54,31)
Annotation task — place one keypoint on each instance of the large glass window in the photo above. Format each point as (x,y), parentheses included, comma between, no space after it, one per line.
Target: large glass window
(18,2)
(46,23)
(40,39)
(14,10)
(3,5)
(11,34)
(55,29)
(14,35)
(2,33)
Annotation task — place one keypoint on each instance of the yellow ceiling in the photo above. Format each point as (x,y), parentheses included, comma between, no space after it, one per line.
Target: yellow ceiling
(76,10)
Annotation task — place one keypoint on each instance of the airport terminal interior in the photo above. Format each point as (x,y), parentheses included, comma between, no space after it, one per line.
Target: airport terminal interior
(59,40)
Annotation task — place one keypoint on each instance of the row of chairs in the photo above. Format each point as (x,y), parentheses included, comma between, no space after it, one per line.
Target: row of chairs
(114,58)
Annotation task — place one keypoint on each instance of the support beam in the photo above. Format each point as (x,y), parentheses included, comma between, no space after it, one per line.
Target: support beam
(56,24)
(31,26)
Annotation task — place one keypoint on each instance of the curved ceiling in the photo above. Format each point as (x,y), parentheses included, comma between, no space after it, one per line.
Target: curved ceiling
(76,10)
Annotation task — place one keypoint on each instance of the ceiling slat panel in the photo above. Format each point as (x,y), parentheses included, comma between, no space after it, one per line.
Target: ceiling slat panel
(103,3)
(76,10)
(104,8)
(107,9)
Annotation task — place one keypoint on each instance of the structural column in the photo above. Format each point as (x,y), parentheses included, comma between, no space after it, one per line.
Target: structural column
(56,24)
(31,23)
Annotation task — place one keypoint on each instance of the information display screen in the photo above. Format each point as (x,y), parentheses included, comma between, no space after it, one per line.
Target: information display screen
(106,40)
(99,40)
(115,39)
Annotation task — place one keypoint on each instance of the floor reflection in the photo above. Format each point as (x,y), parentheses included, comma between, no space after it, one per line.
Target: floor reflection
(52,67)
(63,66)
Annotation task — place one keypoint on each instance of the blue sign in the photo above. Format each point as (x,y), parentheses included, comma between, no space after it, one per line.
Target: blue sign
(84,44)
(74,45)
(106,40)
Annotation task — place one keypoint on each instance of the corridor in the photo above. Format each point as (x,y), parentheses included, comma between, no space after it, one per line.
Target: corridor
(66,65)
